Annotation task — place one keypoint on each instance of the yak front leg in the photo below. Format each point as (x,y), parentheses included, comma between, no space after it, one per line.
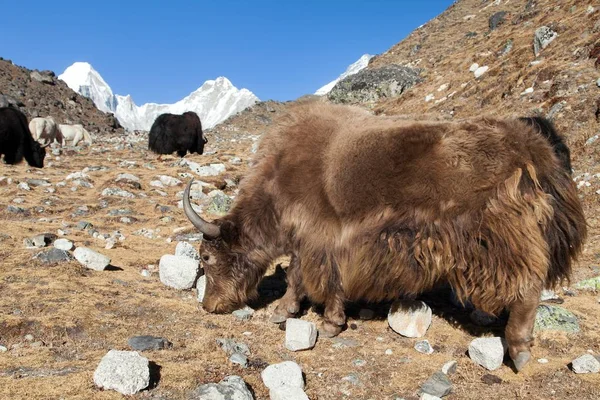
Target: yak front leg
(289,305)
(519,329)
(334,317)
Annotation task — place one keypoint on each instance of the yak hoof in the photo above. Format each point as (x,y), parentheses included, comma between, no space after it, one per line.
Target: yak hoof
(329,330)
(521,360)
(278,318)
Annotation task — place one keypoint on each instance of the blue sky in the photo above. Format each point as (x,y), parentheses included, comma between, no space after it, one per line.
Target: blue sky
(160,51)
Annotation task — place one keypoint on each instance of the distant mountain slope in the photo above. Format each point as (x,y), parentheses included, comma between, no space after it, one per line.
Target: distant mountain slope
(214,101)
(42,94)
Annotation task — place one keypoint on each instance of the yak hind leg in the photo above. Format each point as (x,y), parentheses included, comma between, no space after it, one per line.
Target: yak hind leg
(519,329)
(289,305)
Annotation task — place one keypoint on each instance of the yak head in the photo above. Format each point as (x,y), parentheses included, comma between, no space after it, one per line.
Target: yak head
(36,154)
(230,266)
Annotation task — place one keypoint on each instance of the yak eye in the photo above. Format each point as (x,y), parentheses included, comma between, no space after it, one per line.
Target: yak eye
(206,257)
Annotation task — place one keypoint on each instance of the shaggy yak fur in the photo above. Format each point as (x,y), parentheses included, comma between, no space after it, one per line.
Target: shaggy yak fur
(16,141)
(373,208)
(180,133)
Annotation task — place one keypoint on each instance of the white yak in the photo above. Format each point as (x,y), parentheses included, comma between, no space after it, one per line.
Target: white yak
(74,134)
(45,130)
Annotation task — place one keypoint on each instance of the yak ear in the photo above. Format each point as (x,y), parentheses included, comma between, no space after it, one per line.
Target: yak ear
(229,231)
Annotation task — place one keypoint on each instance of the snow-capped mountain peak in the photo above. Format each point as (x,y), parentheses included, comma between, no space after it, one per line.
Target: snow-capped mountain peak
(84,79)
(214,101)
(360,64)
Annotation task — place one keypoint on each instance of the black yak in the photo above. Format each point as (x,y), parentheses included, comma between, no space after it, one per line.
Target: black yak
(16,141)
(180,133)
(373,208)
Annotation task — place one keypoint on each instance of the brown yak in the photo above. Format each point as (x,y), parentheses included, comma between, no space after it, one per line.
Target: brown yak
(373,208)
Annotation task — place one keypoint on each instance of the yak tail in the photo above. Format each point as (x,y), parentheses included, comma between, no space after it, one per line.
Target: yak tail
(546,129)
(566,231)
(86,136)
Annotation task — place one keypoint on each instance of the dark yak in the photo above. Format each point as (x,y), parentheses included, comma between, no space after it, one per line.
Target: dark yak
(180,133)
(16,141)
(373,208)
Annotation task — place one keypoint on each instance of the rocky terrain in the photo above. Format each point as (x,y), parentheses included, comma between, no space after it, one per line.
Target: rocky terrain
(42,94)
(66,316)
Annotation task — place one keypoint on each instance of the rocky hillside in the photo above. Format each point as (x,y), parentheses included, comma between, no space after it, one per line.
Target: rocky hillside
(498,58)
(41,93)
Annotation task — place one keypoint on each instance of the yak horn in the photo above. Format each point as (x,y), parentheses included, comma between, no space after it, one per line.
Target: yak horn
(43,146)
(210,231)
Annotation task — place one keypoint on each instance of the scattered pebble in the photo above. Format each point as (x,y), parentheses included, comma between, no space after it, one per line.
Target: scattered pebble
(586,364)
(91,259)
(409,318)
(424,347)
(231,388)
(240,359)
(300,334)
(178,272)
(243,314)
(542,360)
(146,342)
(124,371)
(450,367)
(488,352)
(438,385)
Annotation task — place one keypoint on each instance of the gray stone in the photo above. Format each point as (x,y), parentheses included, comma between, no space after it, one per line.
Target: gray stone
(39,241)
(370,85)
(17,210)
(339,343)
(284,374)
(41,77)
(243,314)
(124,371)
(146,342)
(589,284)
(542,38)
(231,388)
(409,318)
(230,346)
(586,364)
(129,180)
(38,182)
(219,203)
(91,259)
(424,347)
(450,367)
(300,334)
(178,272)
(83,225)
(63,244)
(496,20)
(53,255)
(201,288)
(438,385)
(240,359)
(184,249)
(555,318)
(488,352)
(118,193)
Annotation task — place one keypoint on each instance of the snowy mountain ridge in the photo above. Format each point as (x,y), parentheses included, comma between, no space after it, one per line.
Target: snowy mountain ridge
(354,68)
(214,101)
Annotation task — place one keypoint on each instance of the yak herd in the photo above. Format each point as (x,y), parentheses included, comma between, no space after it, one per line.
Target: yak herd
(373,208)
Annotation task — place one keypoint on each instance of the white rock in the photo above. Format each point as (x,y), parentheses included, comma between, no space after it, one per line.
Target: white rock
(157,184)
(450,367)
(542,360)
(124,371)
(185,249)
(299,334)
(488,352)
(208,170)
(427,396)
(91,259)
(169,181)
(284,374)
(23,186)
(443,87)
(424,347)
(177,271)
(63,244)
(288,393)
(409,318)
(480,71)
(201,287)
(473,67)
(586,364)
(231,388)
(429,97)
(3,349)
(527,91)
